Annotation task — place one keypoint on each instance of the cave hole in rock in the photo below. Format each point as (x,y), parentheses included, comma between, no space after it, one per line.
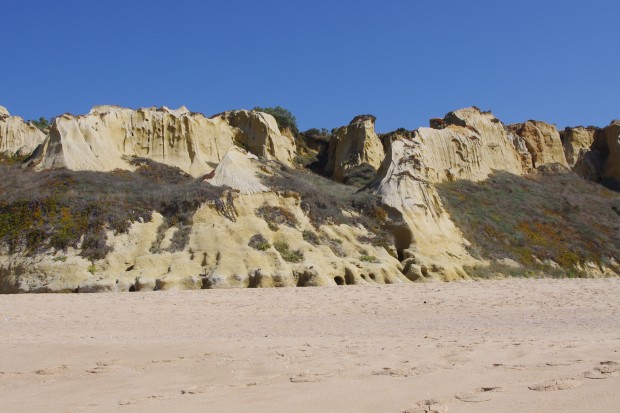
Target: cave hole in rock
(339,280)
(132,289)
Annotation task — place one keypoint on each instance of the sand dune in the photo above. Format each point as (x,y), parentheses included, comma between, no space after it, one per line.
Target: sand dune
(492,346)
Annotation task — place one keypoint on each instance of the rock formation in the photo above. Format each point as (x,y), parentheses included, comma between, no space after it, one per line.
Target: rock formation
(542,141)
(470,145)
(260,135)
(611,138)
(17,138)
(352,146)
(576,141)
(108,135)
(230,241)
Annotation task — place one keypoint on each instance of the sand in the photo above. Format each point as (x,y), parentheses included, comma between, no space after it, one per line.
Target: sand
(489,346)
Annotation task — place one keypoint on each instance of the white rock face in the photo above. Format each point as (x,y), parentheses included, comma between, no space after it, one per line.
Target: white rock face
(238,170)
(17,138)
(103,139)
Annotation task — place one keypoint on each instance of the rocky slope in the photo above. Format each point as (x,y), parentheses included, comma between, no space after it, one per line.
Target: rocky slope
(124,200)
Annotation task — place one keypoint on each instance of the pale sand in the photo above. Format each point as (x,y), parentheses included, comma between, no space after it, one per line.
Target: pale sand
(534,345)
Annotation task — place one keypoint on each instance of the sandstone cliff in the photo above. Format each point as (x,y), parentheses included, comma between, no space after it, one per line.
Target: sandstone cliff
(108,135)
(543,142)
(466,197)
(354,145)
(17,138)
(470,145)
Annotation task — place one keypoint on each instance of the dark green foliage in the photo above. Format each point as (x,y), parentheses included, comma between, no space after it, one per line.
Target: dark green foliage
(258,242)
(60,208)
(555,216)
(285,119)
(42,123)
(287,255)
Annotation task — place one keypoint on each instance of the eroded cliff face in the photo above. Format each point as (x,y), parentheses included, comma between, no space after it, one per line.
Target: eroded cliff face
(469,145)
(104,139)
(265,231)
(218,254)
(354,145)
(17,138)
(542,141)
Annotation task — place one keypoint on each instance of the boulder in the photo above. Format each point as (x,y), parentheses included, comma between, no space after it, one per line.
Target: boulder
(17,138)
(542,141)
(354,145)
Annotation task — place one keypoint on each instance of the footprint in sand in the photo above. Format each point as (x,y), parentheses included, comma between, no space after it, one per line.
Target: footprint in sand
(560,384)
(428,406)
(389,371)
(605,370)
(480,395)
(103,367)
(307,378)
(51,370)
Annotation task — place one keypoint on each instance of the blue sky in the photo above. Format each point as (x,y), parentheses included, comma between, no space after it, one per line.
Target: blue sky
(326,61)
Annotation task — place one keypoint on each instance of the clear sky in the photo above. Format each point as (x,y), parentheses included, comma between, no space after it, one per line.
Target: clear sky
(404,61)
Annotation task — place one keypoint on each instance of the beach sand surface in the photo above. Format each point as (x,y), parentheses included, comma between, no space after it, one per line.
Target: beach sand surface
(517,345)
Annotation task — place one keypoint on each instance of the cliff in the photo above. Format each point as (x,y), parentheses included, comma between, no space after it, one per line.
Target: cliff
(155,199)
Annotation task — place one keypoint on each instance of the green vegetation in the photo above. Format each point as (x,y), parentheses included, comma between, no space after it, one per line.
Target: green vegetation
(42,123)
(287,255)
(285,119)
(369,258)
(258,242)
(60,208)
(556,217)
(311,237)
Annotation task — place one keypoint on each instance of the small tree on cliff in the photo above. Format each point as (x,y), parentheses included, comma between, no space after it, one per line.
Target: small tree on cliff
(284,117)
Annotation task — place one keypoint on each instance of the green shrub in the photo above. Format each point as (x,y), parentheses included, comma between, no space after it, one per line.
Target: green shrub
(311,237)
(287,255)
(370,258)
(285,119)
(258,242)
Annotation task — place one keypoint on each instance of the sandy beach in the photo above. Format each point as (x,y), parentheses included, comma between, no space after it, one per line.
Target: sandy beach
(491,346)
